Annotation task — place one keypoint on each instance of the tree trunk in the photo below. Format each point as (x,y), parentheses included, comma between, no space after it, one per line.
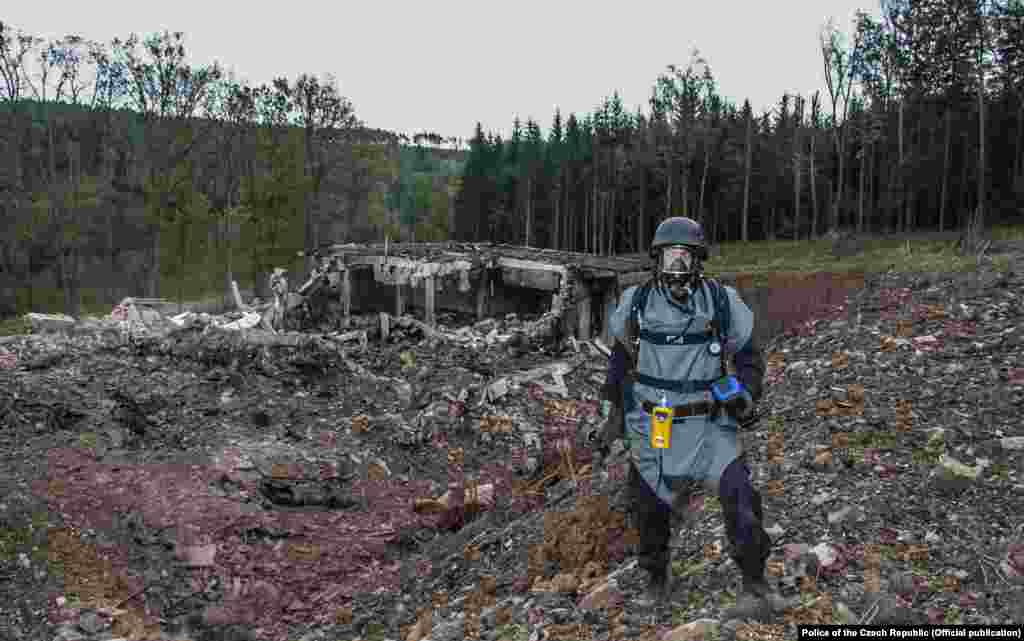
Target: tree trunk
(900,167)
(872,185)
(555,222)
(797,179)
(703,182)
(836,185)
(965,192)
(860,196)
(111,293)
(641,227)
(612,237)
(912,217)
(814,190)
(668,191)
(684,185)
(529,210)
(945,170)
(568,219)
(979,220)
(828,205)
(745,223)
(1018,156)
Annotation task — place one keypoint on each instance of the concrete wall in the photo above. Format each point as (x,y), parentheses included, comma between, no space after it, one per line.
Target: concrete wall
(371,296)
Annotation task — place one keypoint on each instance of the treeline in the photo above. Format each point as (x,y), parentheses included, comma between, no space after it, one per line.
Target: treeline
(921,126)
(125,167)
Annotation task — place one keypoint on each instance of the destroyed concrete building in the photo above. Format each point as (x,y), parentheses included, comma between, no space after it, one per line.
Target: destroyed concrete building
(578,291)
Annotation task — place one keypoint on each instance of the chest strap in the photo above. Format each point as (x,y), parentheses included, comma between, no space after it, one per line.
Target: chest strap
(666,338)
(680,387)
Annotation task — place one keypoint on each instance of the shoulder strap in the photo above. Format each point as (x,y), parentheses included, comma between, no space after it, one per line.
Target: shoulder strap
(640,299)
(723,310)
(636,308)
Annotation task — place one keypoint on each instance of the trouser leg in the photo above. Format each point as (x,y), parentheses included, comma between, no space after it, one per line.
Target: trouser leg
(652,519)
(744,520)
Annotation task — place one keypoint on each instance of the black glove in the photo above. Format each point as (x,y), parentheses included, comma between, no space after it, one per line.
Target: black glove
(741,406)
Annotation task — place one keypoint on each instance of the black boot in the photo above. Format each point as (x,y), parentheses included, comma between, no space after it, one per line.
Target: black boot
(758,599)
(659,588)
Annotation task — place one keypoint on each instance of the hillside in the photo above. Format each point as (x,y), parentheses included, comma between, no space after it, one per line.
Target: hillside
(371,189)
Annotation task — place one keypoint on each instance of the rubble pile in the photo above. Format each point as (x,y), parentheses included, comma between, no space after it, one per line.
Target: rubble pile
(186,478)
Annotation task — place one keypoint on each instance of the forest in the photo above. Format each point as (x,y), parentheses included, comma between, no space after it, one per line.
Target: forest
(921,126)
(127,170)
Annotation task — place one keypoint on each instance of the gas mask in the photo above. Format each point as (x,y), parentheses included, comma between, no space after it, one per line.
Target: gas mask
(678,269)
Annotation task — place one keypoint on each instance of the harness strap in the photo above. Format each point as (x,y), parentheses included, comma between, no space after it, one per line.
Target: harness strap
(666,338)
(682,387)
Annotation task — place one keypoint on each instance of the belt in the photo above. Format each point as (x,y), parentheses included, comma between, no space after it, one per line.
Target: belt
(682,411)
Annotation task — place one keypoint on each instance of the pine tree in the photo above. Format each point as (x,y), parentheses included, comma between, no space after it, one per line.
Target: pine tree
(554,169)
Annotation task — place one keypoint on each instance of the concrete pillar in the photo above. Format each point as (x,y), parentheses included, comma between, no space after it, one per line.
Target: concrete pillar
(346,297)
(482,293)
(429,284)
(583,317)
(611,301)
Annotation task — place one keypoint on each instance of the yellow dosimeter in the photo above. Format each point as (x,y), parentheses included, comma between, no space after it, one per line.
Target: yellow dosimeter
(661,426)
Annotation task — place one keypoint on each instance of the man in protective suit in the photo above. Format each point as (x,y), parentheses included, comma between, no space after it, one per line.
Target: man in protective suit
(671,347)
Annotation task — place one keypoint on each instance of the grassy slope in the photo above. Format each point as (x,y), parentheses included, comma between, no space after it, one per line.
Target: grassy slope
(762,258)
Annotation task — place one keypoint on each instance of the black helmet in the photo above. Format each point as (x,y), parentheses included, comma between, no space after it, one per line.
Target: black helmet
(680,231)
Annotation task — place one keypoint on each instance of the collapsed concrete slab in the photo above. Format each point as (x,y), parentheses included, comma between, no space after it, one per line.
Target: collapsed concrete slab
(578,291)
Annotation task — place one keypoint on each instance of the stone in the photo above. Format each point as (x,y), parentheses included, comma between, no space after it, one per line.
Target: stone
(92,623)
(699,629)
(69,632)
(600,597)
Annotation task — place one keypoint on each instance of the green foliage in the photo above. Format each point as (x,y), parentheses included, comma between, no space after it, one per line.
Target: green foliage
(275,199)
(14,326)
(377,208)
(392,231)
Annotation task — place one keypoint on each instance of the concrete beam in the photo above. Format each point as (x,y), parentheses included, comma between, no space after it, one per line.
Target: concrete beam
(404,270)
(633,278)
(544,280)
(530,273)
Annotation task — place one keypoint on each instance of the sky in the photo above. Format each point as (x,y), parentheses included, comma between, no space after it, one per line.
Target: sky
(441,66)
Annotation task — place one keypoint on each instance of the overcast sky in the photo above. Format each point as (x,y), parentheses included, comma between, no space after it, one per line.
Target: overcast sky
(442,66)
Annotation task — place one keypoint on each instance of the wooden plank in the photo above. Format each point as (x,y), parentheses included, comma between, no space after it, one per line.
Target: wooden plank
(429,284)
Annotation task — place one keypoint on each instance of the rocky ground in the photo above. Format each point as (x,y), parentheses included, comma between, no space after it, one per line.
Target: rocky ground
(192,484)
